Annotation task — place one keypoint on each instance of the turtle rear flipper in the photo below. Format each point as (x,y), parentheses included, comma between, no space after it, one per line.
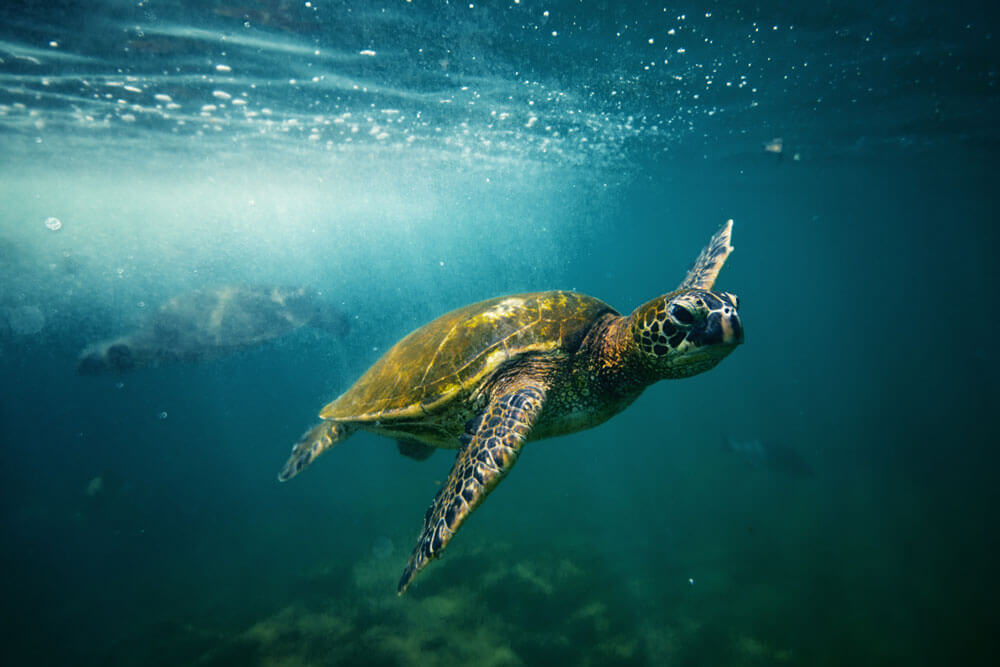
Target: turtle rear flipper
(417,451)
(313,442)
(485,459)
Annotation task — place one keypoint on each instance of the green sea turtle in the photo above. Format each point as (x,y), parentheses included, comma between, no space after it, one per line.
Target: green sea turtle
(489,377)
(211,323)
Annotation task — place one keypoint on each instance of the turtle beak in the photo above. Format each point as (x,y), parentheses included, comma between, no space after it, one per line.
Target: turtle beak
(732,329)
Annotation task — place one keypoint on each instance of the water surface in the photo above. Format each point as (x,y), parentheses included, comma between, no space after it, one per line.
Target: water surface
(406,158)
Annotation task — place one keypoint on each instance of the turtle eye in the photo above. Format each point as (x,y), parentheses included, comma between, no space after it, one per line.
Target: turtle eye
(681,314)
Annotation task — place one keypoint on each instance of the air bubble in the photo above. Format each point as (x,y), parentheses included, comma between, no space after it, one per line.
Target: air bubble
(53,223)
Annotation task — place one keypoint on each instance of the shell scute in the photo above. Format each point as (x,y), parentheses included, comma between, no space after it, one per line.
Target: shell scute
(450,356)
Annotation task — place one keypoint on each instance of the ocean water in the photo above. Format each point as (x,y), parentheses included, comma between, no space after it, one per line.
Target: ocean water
(825,496)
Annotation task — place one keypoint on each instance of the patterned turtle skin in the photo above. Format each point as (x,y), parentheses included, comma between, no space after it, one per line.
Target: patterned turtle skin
(488,378)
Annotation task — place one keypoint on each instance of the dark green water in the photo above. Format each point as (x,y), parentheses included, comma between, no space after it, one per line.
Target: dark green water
(141,517)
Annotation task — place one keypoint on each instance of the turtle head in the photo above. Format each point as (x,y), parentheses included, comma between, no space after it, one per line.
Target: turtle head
(686,332)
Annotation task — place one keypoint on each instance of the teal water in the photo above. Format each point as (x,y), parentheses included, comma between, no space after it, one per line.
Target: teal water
(407,158)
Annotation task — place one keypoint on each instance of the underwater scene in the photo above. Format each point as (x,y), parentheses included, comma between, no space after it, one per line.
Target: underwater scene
(734,268)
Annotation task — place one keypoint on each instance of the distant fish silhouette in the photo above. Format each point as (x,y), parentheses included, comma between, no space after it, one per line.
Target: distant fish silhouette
(103,497)
(777,147)
(770,455)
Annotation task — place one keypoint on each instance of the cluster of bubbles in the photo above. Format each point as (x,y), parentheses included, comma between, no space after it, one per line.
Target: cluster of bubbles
(582,85)
(278,80)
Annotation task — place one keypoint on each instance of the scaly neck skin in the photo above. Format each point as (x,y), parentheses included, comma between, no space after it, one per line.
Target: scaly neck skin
(613,358)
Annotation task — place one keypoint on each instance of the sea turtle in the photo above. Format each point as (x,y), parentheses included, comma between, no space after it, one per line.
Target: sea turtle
(489,377)
(211,323)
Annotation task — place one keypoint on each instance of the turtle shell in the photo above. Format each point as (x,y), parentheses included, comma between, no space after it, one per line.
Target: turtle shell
(232,316)
(449,357)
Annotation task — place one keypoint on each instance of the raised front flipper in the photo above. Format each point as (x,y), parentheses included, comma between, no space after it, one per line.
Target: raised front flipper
(706,268)
(500,432)
(313,442)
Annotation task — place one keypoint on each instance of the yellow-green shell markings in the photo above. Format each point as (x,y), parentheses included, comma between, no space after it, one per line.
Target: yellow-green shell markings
(449,357)
(491,377)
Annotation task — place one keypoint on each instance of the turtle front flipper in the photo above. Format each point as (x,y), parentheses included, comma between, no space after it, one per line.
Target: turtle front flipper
(706,268)
(313,442)
(488,455)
